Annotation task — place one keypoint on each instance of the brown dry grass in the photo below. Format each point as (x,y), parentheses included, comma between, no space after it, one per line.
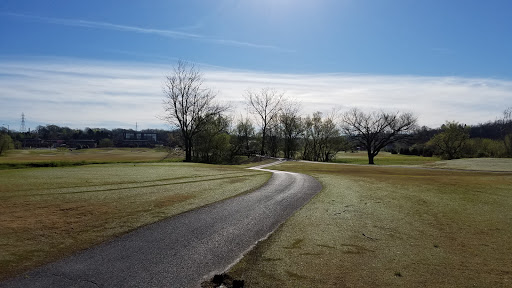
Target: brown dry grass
(389,227)
(48,213)
(65,157)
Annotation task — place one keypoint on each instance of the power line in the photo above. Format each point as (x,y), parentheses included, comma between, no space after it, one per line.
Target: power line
(22,127)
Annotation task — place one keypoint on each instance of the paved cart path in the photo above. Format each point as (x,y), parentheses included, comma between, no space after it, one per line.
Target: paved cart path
(184,250)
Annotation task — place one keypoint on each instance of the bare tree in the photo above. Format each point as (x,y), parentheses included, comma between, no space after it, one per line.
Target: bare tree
(188,104)
(321,137)
(292,128)
(374,131)
(211,145)
(266,104)
(506,130)
(274,137)
(243,133)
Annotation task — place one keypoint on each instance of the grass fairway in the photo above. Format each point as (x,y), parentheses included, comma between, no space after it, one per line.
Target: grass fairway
(482,164)
(48,213)
(384,158)
(390,227)
(65,157)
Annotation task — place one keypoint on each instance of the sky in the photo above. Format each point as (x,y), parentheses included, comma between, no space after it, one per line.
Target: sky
(103,63)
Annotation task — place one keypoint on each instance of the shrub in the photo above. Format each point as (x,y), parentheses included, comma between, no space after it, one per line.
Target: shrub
(479,147)
(6,143)
(508,145)
(239,159)
(106,142)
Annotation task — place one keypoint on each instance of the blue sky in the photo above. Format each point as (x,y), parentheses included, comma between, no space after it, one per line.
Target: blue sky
(442,60)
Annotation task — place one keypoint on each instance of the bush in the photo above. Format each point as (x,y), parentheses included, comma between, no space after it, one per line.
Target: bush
(427,152)
(508,145)
(485,148)
(239,159)
(106,142)
(6,143)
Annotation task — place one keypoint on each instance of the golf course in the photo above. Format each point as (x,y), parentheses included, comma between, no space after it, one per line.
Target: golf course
(232,144)
(421,222)
(48,213)
(389,226)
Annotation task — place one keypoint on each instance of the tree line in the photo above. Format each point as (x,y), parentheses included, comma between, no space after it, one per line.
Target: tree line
(48,134)
(209,135)
(274,126)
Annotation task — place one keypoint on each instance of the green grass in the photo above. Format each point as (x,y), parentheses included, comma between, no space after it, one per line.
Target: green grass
(17,159)
(384,158)
(483,164)
(382,226)
(48,213)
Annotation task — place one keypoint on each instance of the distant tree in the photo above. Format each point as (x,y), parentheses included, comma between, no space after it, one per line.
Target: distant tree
(42,132)
(117,136)
(212,143)
(484,147)
(266,105)
(174,139)
(274,137)
(507,140)
(242,135)
(65,133)
(423,134)
(105,142)
(331,141)
(90,133)
(507,116)
(6,143)
(53,131)
(376,130)
(417,143)
(188,104)
(451,141)
(292,128)
(506,130)
(490,130)
(321,138)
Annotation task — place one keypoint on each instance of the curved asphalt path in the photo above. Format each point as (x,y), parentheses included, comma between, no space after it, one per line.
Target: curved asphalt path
(184,250)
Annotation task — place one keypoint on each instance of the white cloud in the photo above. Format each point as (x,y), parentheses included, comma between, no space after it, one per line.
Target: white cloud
(80,93)
(168,33)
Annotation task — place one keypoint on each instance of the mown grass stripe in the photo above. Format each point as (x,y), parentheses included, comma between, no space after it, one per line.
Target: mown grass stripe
(127,182)
(133,187)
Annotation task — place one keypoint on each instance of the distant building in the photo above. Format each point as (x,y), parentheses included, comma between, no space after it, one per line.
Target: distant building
(139,139)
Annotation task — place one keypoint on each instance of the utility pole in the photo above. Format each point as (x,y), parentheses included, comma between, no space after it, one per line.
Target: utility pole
(22,127)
